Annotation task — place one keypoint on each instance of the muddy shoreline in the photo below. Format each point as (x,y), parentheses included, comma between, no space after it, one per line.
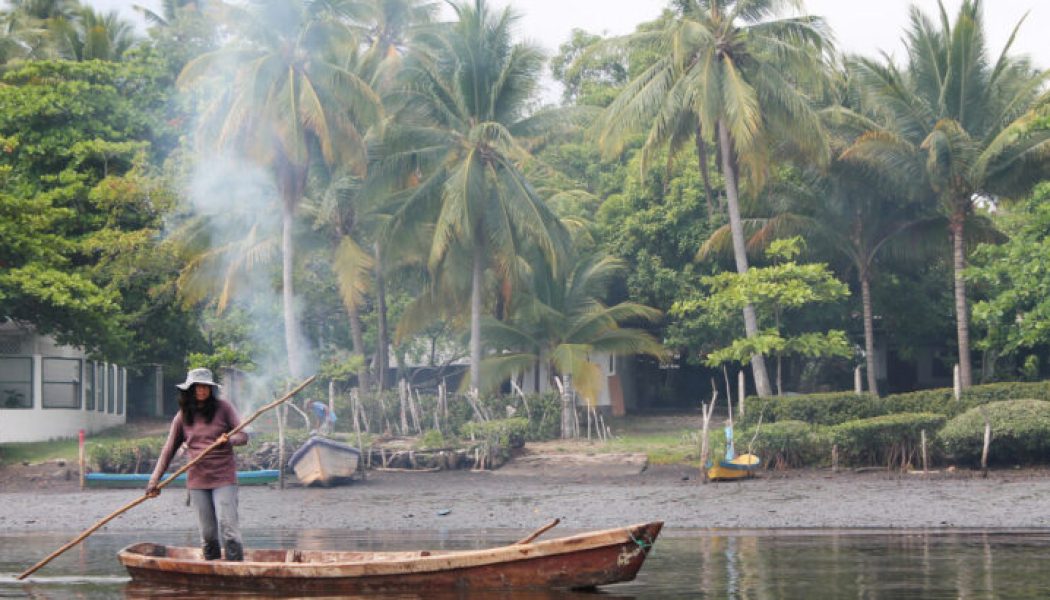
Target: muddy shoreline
(584,497)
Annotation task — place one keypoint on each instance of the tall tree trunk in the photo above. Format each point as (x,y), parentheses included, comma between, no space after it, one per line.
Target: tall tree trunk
(962,319)
(475,316)
(357,337)
(705,173)
(383,333)
(291,323)
(869,330)
(736,228)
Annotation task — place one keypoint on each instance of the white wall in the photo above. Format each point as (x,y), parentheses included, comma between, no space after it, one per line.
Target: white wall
(41,424)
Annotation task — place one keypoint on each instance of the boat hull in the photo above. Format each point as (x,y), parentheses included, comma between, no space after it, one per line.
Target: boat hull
(324,462)
(582,561)
(139,480)
(741,467)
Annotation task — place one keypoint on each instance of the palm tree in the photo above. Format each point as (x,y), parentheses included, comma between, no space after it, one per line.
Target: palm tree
(385,26)
(170,11)
(563,322)
(740,75)
(457,136)
(29,27)
(93,35)
(284,104)
(960,123)
(339,213)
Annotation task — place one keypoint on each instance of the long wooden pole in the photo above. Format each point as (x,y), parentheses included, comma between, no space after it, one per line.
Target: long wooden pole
(164,483)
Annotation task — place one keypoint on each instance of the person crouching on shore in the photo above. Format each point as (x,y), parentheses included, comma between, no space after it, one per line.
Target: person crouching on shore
(202,420)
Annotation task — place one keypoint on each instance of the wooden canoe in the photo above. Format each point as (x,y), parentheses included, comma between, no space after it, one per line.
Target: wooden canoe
(139,480)
(325,462)
(576,562)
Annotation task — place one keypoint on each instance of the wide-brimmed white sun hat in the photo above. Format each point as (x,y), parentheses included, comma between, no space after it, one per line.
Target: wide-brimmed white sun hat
(198,376)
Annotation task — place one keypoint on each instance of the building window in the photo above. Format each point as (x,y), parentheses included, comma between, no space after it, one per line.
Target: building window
(122,378)
(61,383)
(100,387)
(89,385)
(16,382)
(111,389)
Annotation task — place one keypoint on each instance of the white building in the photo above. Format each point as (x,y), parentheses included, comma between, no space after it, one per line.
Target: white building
(49,391)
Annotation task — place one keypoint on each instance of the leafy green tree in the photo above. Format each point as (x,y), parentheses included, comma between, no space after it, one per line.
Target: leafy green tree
(1014,280)
(590,72)
(37,283)
(460,128)
(775,290)
(970,128)
(83,210)
(280,100)
(728,69)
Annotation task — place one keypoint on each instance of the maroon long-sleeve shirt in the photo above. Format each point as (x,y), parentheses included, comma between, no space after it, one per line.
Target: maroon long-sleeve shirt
(219,467)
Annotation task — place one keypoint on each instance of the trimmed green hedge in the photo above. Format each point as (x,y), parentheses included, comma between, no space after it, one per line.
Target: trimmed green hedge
(840,407)
(817,409)
(942,400)
(788,444)
(1020,433)
(890,440)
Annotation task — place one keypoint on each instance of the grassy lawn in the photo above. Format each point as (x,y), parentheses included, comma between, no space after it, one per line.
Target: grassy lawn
(665,439)
(37,452)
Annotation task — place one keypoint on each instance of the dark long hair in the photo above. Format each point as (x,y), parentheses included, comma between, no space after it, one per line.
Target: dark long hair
(189,408)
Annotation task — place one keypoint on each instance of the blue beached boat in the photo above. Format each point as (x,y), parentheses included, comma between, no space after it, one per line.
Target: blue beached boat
(325,462)
(135,480)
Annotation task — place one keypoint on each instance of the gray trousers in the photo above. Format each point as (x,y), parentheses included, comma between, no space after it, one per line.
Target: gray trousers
(217,516)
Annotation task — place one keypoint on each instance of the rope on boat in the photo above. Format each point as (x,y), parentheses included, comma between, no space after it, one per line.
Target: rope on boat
(644,544)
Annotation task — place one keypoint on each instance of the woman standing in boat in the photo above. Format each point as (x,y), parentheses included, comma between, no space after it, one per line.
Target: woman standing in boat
(202,420)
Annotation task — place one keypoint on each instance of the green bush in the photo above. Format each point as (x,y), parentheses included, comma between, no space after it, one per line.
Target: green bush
(126,456)
(889,440)
(818,409)
(788,444)
(1020,433)
(508,433)
(942,400)
(432,439)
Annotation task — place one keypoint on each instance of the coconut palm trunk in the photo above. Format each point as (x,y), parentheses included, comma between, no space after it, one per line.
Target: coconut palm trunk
(869,331)
(291,323)
(291,183)
(383,332)
(962,321)
(758,362)
(475,316)
(357,337)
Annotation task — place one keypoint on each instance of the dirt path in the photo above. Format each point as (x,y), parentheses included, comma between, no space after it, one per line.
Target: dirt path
(585,493)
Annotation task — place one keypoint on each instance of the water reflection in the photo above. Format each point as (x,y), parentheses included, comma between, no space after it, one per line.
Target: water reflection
(759,564)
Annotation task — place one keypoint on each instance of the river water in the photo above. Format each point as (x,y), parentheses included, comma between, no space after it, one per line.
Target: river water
(754,564)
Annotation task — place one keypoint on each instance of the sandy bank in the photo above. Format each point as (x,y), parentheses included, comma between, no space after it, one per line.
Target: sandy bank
(584,498)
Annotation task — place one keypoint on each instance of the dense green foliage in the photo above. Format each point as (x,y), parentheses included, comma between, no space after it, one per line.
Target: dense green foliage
(1014,281)
(1020,433)
(276,186)
(890,440)
(817,409)
(789,444)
